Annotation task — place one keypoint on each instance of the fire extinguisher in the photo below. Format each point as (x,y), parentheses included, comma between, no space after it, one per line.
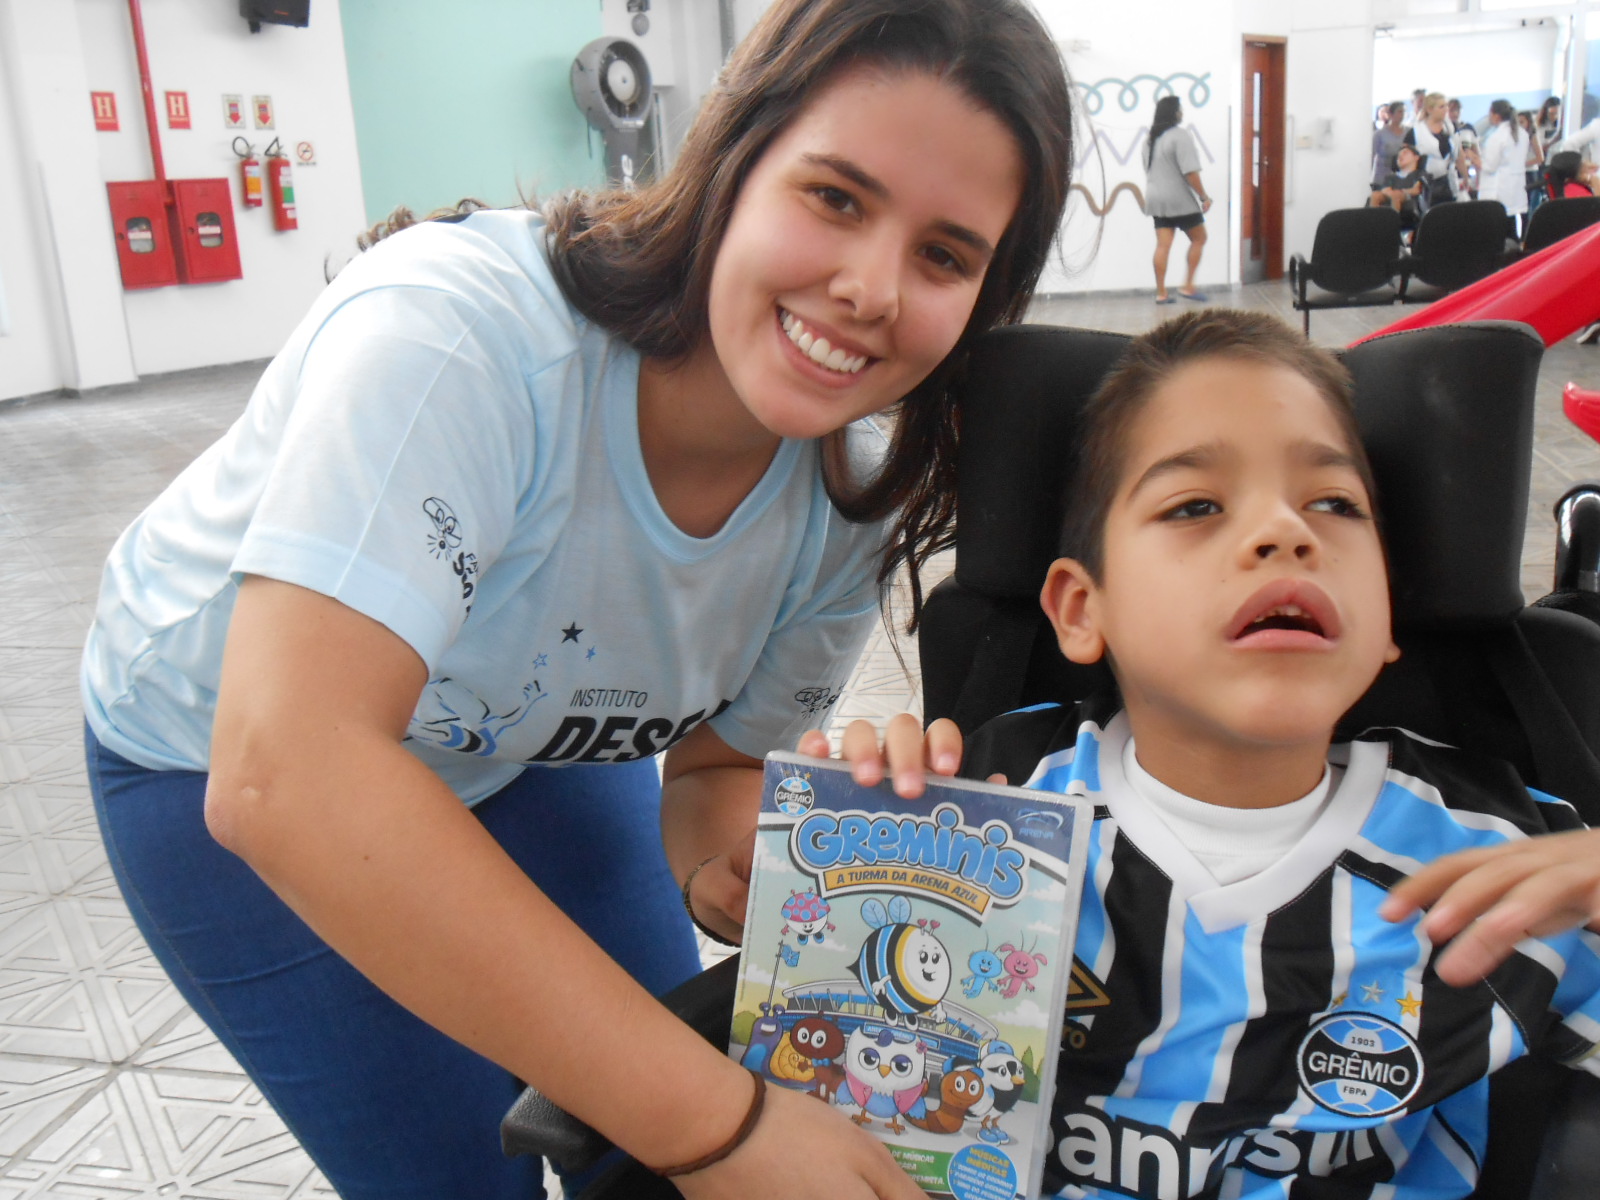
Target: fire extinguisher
(280,181)
(249,172)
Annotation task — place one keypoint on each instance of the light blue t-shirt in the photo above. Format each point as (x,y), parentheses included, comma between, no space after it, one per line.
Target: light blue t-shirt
(446,446)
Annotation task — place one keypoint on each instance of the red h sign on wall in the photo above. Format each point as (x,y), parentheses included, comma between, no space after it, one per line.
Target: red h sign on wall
(177,110)
(105,111)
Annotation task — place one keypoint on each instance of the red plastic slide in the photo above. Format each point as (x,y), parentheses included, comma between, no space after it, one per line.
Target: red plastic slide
(1557,291)
(1582,406)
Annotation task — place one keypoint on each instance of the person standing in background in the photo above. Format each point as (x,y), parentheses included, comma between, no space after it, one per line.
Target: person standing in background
(1533,162)
(1174,196)
(1500,163)
(1386,142)
(1547,125)
(1434,139)
(1418,108)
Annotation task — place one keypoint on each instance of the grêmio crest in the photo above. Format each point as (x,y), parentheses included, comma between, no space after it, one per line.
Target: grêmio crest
(965,867)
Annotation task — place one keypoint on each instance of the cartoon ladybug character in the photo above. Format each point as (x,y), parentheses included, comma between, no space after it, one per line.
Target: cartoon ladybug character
(805,914)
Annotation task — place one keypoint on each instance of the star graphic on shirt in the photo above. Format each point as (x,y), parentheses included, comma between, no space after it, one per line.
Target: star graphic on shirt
(591,652)
(1410,1006)
(570,633)
(540,660)
(1372,993)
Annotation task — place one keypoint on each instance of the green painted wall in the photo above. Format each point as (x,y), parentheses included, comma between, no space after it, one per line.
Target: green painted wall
(467,98)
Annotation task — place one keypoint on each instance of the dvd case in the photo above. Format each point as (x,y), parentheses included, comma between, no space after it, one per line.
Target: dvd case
(910,960)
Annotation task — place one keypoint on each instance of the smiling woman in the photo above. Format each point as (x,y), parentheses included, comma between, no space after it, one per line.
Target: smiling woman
(527,499)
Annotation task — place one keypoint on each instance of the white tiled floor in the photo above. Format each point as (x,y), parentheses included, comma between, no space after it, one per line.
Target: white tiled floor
(109,1087)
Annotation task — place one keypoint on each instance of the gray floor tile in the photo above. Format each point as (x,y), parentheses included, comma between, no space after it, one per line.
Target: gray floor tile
(168,1133)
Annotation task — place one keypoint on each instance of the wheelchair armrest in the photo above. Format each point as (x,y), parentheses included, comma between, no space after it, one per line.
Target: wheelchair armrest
(536,1125)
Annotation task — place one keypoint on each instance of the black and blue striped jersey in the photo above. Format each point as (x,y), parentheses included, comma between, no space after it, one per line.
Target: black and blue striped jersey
(1275,1036)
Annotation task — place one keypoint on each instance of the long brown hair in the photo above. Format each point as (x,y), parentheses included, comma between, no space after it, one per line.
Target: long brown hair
(639,263)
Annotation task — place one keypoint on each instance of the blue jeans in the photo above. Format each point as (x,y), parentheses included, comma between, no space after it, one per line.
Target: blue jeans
(387,1106)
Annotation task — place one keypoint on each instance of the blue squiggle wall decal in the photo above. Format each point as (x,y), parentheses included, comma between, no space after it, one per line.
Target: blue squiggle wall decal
(1135,146)
(1128,90)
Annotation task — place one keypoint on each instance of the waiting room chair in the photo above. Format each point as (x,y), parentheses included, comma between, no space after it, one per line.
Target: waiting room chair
(1557,219)
(1354,262)
(1455,244)
(1447,415)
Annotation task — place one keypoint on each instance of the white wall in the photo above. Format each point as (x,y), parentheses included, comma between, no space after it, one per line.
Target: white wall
(66,327)
(1117,65)
(1329,79)
(204,48)
(1501,60)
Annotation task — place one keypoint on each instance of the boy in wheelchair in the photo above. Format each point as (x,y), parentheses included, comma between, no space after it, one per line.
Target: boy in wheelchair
(1271,1014)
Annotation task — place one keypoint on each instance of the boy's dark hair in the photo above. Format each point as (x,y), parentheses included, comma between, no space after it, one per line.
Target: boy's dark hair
(1147,363)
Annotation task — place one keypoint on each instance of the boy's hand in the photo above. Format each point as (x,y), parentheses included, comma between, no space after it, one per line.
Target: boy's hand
(907,753)
(1483,902)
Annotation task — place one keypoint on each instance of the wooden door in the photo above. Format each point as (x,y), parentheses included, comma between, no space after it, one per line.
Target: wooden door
(1261,189)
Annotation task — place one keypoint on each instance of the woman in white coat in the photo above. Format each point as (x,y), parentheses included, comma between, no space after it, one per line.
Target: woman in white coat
(1501,162)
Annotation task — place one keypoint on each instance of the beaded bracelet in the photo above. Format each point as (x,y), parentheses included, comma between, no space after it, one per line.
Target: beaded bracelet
(739,1134)
(689,908)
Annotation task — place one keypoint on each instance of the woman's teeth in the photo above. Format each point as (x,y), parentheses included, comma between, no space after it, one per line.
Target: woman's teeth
(818,350)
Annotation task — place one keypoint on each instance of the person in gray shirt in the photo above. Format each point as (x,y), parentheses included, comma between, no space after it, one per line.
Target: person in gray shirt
(1386,143)
(1174,196)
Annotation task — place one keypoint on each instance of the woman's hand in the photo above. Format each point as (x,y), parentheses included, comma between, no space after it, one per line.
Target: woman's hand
(801,1148)
(907,753)
(1483,902)
(719,889)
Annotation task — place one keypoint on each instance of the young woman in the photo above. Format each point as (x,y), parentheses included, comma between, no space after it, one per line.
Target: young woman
(525,501)
(1533,160)
(1174,196)
(1433,136)
(1501,160)
(1547,125)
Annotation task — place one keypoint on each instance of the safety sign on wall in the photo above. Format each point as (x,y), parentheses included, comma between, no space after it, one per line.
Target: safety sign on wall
(233,112)
(261,106)
(105,111)
(178,110)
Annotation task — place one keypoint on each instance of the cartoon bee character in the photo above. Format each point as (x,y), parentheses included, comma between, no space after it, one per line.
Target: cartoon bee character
(902,965)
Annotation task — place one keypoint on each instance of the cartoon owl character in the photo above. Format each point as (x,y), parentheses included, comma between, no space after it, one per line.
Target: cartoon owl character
(1003,1078)
(788,1065)
(961,1088)
(822,1042)
(886,1071)
(903,966)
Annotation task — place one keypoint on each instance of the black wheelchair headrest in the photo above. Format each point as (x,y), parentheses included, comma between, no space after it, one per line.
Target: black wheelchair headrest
(1446,414)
